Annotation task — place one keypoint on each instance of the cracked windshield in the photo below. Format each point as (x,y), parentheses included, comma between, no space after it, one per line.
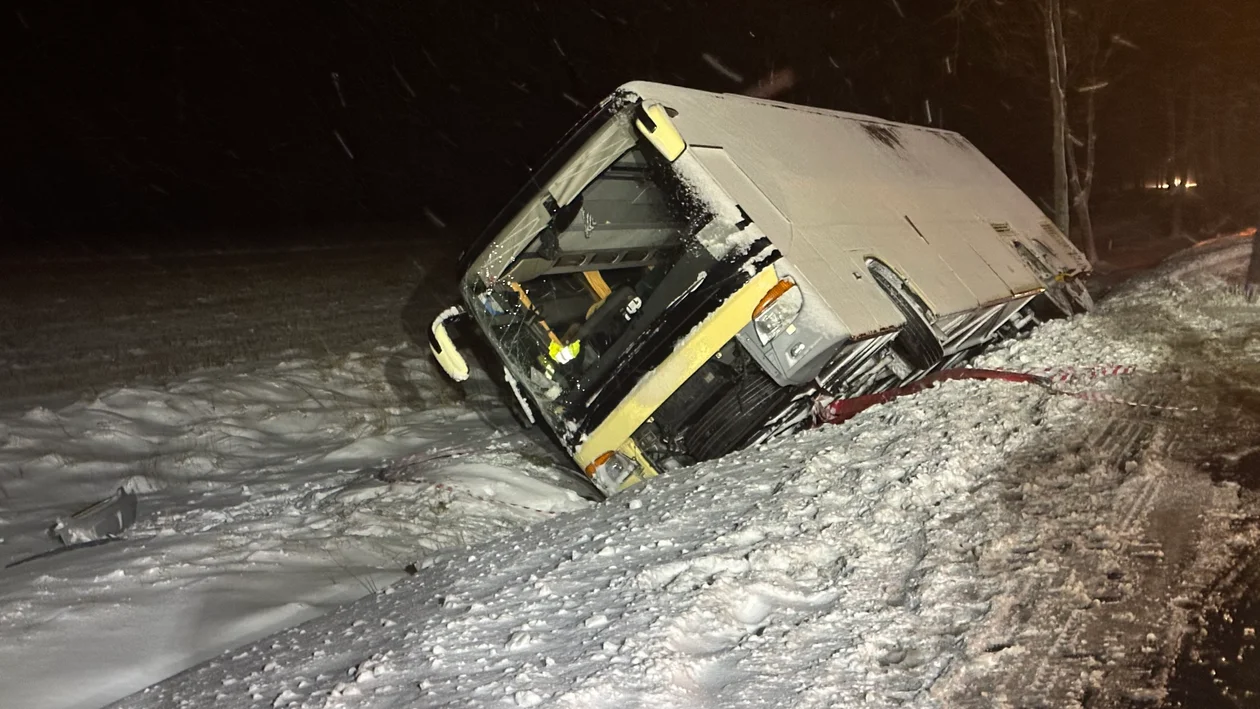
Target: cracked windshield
(577,296)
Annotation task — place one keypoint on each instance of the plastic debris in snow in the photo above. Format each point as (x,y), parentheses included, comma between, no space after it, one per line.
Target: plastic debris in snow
(106,518)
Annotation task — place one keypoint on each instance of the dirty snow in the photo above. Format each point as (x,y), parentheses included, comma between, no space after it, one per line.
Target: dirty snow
(977,544)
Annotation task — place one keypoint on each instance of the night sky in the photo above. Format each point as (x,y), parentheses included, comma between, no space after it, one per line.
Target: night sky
(193,115)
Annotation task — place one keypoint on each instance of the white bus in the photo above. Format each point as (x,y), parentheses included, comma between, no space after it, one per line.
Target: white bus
(691,271)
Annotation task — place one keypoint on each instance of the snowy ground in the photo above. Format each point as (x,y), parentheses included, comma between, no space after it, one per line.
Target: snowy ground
(78,324)
(978,544)
(263,504)
(262,499)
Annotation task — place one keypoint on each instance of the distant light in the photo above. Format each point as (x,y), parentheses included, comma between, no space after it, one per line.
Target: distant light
(1177,182)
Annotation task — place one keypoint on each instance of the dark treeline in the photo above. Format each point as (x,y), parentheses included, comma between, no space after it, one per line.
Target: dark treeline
(196,114)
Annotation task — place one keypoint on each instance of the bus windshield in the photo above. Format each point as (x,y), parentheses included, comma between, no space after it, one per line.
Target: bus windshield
(592,279)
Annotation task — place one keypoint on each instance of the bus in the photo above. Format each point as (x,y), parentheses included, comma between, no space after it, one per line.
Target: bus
(690,272)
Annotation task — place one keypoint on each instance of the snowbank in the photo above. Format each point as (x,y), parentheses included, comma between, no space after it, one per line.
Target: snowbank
(980,543)
(266,498)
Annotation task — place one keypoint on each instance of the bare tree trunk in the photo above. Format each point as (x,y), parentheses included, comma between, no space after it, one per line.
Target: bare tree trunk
(1252,288)
(1083,185)
(1058,102)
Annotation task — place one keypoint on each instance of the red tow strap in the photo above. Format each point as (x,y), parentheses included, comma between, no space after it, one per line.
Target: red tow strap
(842,410)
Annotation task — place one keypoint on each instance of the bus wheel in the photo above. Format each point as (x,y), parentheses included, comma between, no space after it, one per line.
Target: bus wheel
(736,416)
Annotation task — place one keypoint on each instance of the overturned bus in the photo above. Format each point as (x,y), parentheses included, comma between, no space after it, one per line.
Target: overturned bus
(691,272)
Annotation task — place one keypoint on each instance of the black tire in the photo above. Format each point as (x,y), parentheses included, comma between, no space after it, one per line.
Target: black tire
(736,416)
(789,420)
(916,343)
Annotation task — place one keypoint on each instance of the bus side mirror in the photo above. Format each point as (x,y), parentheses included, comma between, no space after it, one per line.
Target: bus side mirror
(443,347)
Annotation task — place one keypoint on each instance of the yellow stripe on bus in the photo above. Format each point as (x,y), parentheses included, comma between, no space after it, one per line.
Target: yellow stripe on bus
(657,385)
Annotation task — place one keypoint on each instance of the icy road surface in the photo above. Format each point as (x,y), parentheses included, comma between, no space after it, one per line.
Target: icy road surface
(981,544)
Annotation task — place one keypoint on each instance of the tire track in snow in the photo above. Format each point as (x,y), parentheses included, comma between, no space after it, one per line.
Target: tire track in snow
(1090,619)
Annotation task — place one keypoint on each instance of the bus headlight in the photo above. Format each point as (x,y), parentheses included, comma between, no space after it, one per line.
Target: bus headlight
(780,306)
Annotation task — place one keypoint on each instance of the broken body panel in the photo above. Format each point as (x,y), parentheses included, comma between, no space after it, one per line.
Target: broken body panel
(692,271)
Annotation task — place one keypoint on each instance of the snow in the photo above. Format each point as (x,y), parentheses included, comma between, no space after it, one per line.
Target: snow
(722,68)
(520,398)
(267,498)
(720,237)
(980,543)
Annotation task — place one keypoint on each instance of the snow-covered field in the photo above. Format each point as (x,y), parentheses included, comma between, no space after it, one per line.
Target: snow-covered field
(74,324)
(263,504)
(979,544)
(261,499)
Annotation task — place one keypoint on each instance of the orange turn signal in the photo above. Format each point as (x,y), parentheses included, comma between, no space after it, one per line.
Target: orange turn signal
(594,466)
(772,295)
